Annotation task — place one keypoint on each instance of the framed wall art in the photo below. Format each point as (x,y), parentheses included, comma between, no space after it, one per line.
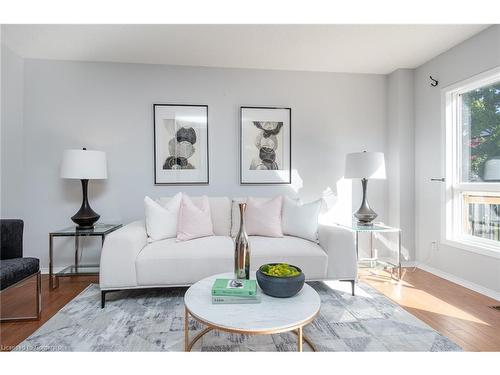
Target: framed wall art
(265,145)
(181,144)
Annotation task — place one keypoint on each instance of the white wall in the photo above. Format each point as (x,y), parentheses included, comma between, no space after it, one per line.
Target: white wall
(12,158)
(478,54)
(108,106)
(400,157)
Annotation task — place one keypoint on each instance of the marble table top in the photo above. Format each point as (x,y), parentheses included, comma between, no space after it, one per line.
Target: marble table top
(272,314)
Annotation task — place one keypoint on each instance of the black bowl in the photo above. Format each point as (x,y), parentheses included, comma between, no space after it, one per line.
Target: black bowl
(282,287)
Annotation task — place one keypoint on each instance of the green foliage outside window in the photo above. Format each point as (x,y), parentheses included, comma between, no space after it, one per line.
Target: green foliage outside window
(481,130)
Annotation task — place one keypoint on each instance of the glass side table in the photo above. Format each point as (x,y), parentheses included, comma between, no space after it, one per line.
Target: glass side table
(373,230)
(99,230)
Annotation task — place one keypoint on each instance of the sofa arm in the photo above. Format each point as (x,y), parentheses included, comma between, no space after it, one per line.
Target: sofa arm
(339,244)
(118,256)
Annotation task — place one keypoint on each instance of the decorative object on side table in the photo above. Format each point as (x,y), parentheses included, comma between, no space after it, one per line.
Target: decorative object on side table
(365,165)
(84,165)
(280,279)
(99,230)
(265,145)
(242,249)
(181,144)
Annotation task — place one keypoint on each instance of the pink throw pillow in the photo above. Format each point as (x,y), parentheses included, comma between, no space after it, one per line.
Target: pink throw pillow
(264,218)
(194,220)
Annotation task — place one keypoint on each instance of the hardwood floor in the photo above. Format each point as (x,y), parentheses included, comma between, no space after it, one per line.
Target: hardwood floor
(458,313)
(12,334)
(461,314)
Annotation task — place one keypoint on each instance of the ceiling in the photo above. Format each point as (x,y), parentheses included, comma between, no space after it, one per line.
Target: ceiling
(378,49)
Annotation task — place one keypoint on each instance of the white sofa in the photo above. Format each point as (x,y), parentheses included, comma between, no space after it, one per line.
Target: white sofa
(129,261)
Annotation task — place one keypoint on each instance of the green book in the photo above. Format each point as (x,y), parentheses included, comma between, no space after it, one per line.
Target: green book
(232,287)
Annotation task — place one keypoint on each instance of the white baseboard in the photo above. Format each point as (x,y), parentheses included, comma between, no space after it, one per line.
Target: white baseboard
(458,280)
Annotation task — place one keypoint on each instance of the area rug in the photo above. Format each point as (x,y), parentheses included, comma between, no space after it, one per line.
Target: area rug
(153,320)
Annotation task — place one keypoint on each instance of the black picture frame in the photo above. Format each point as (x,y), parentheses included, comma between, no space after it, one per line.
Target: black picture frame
(155,146)
(289,180)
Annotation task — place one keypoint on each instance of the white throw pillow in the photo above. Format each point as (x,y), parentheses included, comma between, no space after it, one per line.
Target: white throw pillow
(301,220)
(220,211)
(161,221)
(263,218)
(195,220)
(235,212)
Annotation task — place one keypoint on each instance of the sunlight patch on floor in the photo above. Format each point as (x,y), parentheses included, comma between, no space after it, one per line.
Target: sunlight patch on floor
(418,299)
(438,306)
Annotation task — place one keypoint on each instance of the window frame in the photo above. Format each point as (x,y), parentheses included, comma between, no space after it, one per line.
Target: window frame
(452,217)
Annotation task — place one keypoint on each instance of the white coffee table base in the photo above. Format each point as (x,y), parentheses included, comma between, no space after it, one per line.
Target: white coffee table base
(188,345)
(270,316)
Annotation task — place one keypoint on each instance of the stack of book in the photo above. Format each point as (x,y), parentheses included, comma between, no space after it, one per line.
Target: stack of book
(228,291)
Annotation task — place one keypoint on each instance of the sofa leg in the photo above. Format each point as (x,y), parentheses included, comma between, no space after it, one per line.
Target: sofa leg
(103,298)
(353,284)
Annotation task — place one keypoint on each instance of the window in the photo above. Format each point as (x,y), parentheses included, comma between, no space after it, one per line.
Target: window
(472,118)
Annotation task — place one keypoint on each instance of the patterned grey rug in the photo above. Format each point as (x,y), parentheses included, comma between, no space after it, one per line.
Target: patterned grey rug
(152,320)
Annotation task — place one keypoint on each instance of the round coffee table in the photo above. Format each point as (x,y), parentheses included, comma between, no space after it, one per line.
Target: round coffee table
(271,315)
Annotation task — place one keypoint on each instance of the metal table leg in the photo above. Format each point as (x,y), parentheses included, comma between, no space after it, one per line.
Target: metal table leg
(371,250)
(300,339)
(186,329)
(357,245)
(77,248)
(38,295)
(51,263)
(399,254)
(357,254)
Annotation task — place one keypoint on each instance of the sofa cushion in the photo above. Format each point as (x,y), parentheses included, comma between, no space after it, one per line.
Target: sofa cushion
(301,220)
(235,212)
(168,262)
(11,234)
(263,218)
(305,254)
(220,211)
(16,269)
(161,220)
(194,219)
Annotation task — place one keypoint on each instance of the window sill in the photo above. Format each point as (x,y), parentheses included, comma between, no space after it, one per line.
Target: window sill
(474,247)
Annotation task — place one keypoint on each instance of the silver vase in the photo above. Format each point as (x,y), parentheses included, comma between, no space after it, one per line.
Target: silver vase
(242,249)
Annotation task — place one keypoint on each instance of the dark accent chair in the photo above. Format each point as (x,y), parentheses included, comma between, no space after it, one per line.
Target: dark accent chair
(13,267)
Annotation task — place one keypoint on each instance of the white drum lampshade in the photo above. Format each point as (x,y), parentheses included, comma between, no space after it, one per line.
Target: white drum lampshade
(369,165)
(365,165)
(84,165)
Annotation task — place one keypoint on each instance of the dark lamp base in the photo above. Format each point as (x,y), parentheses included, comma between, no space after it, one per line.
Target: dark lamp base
(86,217)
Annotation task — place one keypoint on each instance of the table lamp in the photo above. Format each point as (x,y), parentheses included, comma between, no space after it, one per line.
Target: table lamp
(365,165)
(84,165)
